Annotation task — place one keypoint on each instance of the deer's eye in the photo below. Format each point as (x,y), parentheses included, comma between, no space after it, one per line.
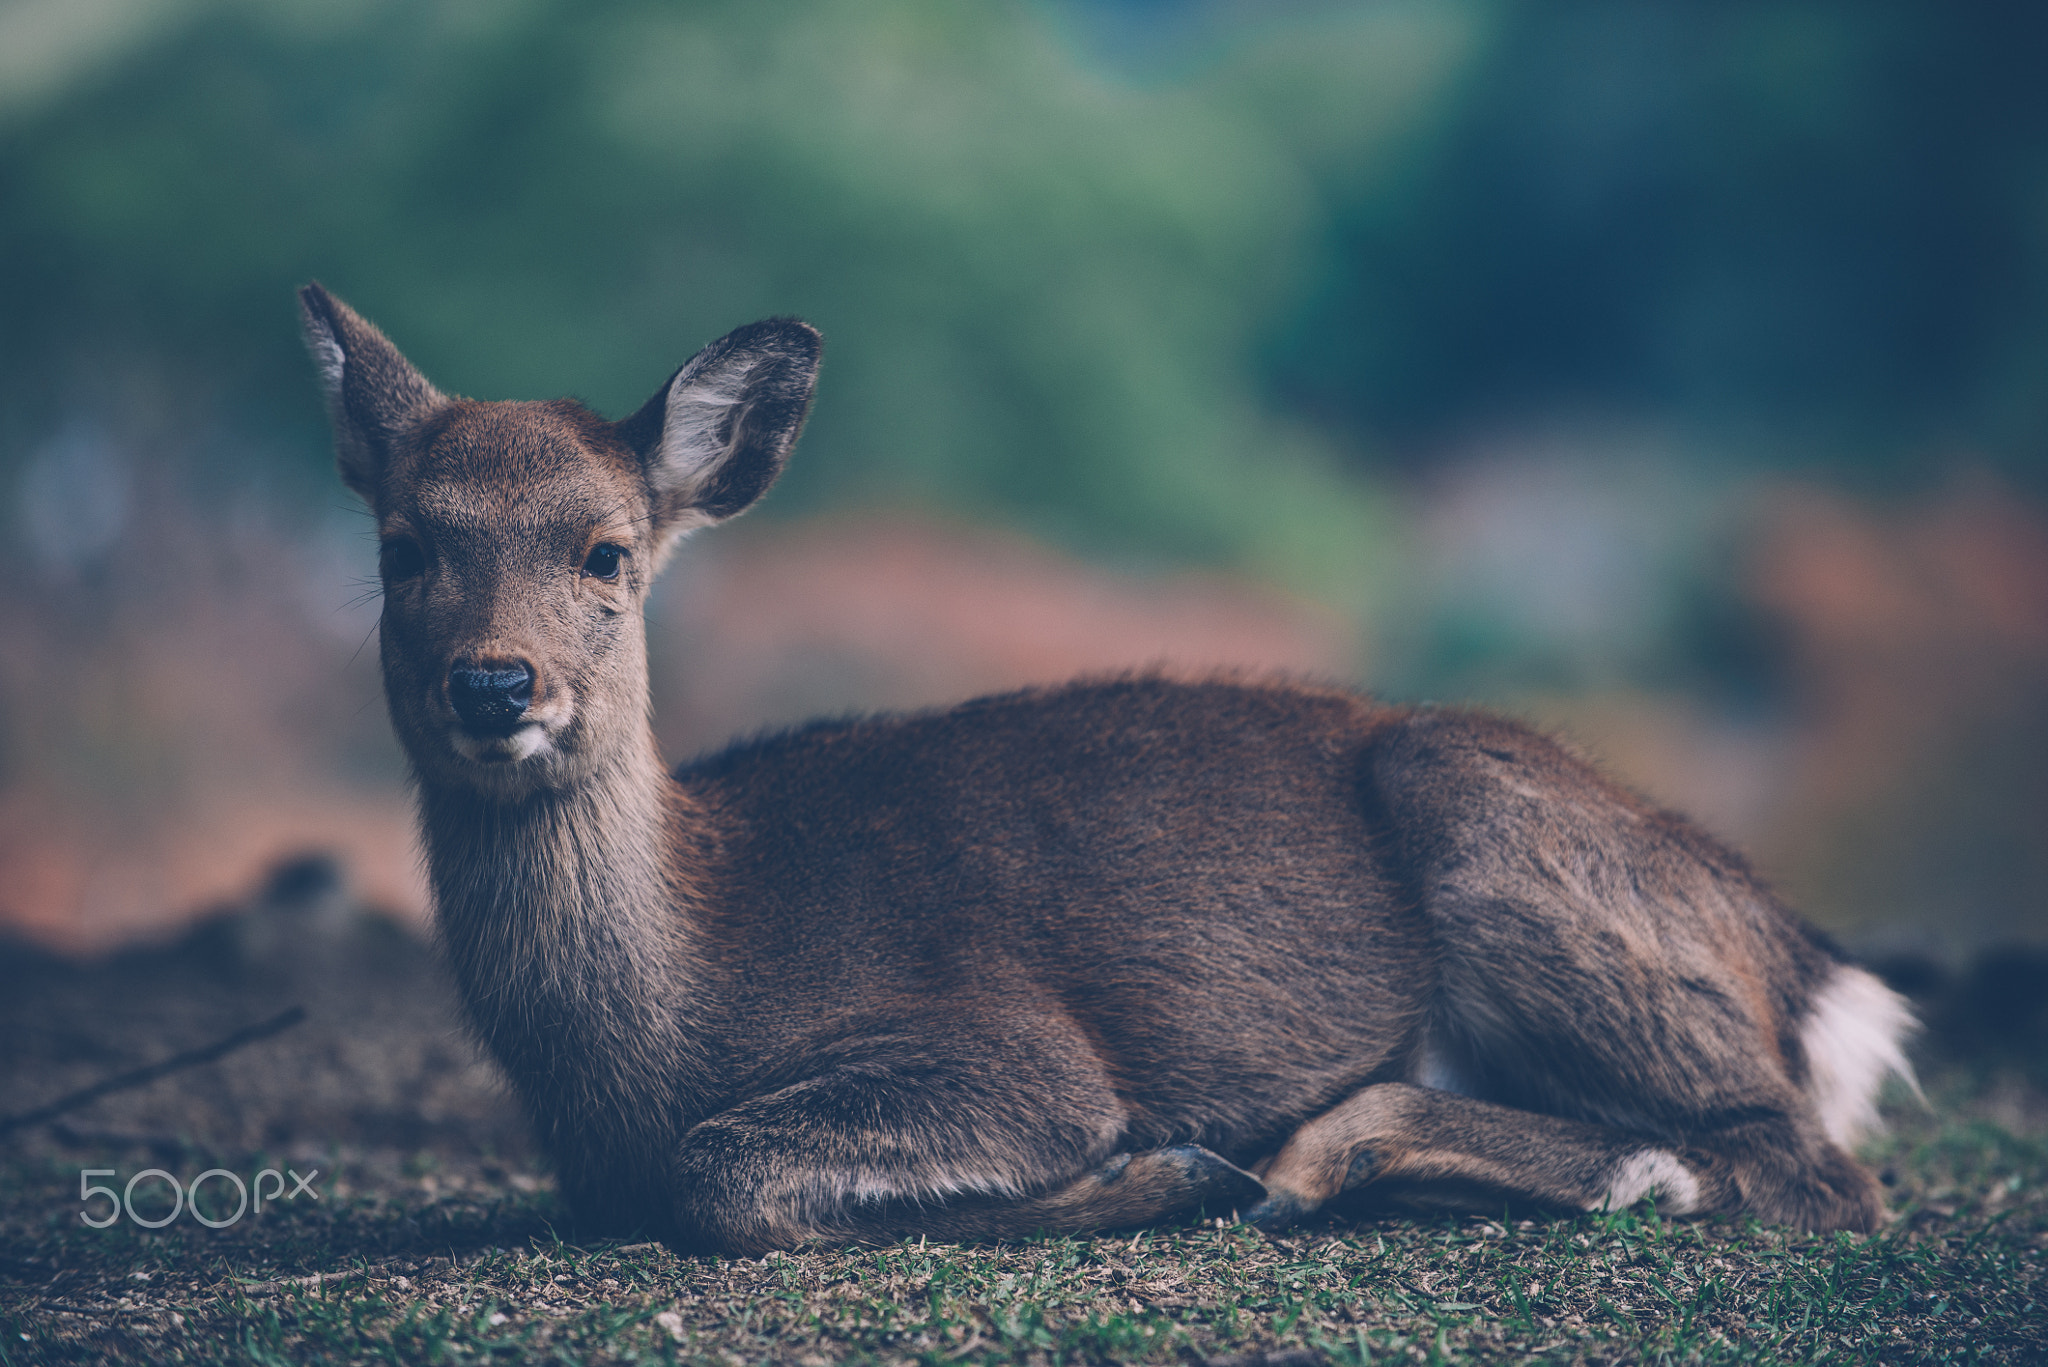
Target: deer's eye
(603,561)
(401,558)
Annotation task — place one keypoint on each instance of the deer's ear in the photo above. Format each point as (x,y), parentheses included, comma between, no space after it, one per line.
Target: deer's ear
(717,434)
(373,393)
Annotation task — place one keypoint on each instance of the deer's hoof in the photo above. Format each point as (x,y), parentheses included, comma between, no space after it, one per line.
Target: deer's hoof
(1279,1210)
(1217,1184)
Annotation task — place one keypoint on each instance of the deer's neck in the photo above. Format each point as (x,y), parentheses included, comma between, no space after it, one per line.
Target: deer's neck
(566,919)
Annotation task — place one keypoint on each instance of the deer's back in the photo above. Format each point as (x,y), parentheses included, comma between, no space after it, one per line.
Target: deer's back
(1181,881)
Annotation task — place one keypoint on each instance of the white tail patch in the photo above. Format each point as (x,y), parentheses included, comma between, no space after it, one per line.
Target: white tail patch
(1853,1036)
(1651,1172)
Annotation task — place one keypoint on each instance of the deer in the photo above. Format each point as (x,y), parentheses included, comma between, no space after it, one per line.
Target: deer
(1069,959)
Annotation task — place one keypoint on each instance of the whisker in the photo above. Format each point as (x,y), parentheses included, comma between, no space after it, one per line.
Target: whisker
(357,653)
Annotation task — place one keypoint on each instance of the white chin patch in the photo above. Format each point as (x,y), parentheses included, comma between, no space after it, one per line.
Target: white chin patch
(1652,1172)
(523,744)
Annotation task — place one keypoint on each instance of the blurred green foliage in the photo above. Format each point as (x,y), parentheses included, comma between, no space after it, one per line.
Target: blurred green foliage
(1160,282)
(1807,234)
(1488,324)
(1040,284)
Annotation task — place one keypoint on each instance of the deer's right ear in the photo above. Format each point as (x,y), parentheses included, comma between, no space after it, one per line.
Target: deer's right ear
(718,433)
(373,392)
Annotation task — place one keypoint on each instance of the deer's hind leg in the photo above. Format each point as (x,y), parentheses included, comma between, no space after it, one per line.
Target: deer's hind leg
(1417,1146)
(1399,1144)
(1619,986)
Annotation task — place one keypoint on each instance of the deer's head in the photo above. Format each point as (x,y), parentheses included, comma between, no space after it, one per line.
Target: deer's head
(519,540)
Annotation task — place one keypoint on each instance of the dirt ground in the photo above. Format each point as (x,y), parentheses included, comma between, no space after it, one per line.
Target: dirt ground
(378,1066)
(432,1229)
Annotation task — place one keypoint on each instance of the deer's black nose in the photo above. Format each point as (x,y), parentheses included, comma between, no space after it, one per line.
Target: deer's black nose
(492,696)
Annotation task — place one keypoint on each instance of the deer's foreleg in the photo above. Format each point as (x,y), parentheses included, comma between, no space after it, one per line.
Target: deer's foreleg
(866,1155)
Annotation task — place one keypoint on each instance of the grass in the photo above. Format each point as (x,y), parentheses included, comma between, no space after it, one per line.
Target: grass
(438,1261)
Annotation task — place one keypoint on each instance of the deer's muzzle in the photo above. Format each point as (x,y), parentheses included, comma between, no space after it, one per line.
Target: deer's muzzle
(491,696)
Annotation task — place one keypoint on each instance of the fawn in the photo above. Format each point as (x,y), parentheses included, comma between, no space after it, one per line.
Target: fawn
(1061,960)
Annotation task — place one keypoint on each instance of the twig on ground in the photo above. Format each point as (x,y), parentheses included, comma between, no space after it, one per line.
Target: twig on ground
(139,1077)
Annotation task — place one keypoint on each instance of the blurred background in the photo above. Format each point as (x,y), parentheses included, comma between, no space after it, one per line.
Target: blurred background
(1673,375)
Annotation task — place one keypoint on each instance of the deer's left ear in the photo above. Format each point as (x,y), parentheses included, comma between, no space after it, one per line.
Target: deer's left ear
(717,434)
